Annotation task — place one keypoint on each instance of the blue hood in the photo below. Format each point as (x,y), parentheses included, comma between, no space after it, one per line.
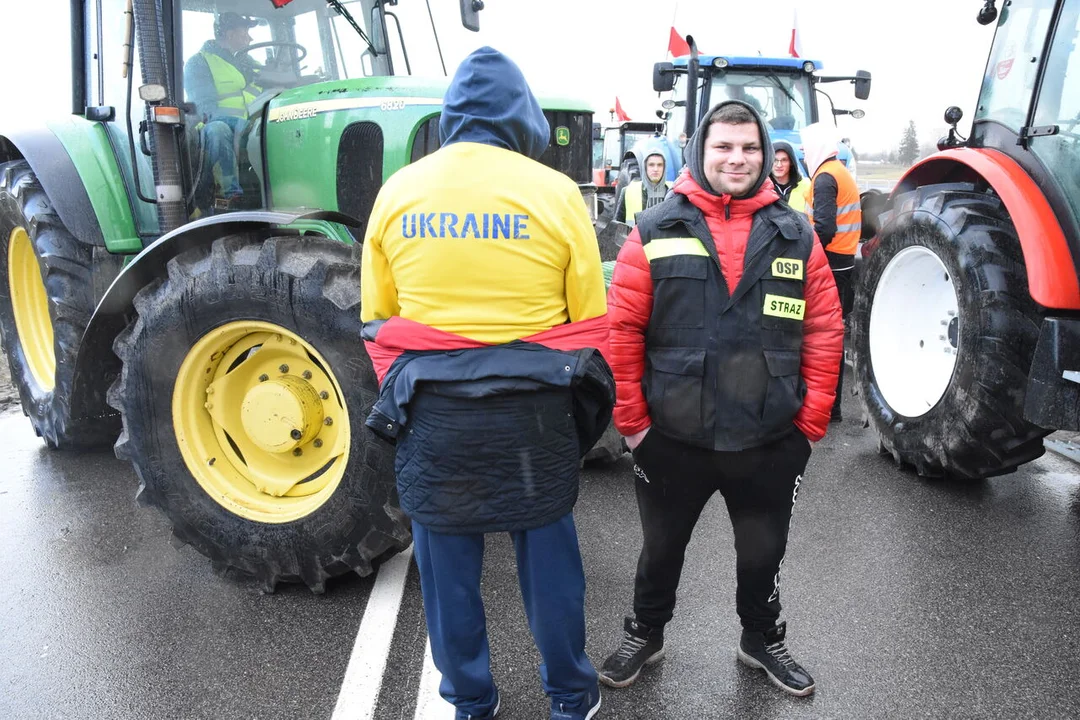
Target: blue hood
(489,102)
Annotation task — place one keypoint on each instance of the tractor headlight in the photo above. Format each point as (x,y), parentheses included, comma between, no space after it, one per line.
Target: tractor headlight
(808,66)
(720,62)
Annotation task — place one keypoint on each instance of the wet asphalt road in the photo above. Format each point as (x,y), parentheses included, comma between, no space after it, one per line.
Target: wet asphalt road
(905,598)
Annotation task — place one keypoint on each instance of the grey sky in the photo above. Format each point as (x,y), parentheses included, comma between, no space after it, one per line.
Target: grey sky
(924,54)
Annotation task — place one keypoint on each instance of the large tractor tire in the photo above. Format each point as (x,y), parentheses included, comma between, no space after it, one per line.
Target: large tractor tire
(244,391)
(945,330)
(47,295)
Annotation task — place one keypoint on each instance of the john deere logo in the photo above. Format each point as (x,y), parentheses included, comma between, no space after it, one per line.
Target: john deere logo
(562,135)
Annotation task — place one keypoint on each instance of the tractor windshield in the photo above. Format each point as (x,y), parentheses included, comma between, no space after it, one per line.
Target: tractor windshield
(260,48)
(235,50)
(782,100)
(1012,68)
(1058,107)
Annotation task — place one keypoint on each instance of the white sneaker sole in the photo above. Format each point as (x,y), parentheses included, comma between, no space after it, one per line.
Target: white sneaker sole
(652,660)
(748,660)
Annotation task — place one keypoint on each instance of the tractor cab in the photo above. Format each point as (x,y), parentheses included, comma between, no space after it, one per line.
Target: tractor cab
(783,90)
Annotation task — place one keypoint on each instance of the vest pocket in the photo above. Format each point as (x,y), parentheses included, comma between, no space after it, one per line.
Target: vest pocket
(675,391)
(786,390)
(679,291)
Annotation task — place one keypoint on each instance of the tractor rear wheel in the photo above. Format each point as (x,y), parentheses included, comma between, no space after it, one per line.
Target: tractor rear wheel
(944,333)
(244,391)
(47,296)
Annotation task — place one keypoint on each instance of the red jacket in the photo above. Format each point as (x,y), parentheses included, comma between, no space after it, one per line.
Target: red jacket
(630,305)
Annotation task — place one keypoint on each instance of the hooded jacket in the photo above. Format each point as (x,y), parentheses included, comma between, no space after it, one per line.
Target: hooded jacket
(795,192)
(471,253)
(834,197)
(727,221)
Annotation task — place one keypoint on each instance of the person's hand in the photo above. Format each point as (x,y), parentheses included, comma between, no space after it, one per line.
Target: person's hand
(632,441)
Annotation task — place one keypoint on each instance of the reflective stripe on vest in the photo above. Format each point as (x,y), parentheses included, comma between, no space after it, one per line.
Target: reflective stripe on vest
(666,247)
(848,213)
(230,84)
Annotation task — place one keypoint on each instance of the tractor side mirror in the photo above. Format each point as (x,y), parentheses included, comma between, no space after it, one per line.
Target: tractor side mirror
(663,77)
(378,40)
(470,14)
(862,84)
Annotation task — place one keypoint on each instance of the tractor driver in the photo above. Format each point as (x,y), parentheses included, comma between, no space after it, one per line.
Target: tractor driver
(219,79)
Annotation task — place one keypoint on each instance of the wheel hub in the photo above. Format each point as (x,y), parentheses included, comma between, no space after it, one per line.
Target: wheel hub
(914,331)
(261,421)
(282,414)
(30,304)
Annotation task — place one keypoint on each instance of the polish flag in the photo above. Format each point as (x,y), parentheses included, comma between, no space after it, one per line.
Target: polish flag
(676,44)
(620,114)
(795,46)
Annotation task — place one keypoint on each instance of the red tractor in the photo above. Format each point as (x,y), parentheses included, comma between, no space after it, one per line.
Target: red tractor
(966,325)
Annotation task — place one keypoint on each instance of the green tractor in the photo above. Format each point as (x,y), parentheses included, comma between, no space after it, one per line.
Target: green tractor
(216,339)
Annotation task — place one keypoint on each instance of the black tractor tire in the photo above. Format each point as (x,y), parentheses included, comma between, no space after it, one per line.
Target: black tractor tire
(73,275)
(977,428)
(310,287)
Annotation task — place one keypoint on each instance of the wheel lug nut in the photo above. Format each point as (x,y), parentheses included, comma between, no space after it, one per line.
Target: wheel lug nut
(283,368)
(297,452)
(210,390)
(324,395)
(307,374)
(264,377)
(328,421)
(296,434)
(317,443)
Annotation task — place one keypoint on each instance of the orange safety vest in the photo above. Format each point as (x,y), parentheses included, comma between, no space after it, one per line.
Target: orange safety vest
(848,213)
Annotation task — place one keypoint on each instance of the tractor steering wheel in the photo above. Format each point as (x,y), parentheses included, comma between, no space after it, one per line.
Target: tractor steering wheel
(272,43)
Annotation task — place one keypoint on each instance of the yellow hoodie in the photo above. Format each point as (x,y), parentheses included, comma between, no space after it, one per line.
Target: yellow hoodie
(492,261)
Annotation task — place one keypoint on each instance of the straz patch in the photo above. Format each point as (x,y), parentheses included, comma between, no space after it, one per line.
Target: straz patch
(787,268)
(784,307)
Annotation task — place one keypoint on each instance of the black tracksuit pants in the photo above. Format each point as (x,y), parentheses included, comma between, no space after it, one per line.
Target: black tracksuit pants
(673,483)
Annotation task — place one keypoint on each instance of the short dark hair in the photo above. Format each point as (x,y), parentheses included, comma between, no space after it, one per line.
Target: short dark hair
(733,114)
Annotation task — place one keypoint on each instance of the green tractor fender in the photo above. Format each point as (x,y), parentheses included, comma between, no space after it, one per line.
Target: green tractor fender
(76,166)
(96,365)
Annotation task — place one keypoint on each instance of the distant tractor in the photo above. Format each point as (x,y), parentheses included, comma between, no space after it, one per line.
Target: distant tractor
(783,90)
(966,331)
(216,339)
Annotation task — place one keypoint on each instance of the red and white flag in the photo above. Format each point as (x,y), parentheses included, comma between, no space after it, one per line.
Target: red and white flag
(795,45)
(620,114)
(677,46)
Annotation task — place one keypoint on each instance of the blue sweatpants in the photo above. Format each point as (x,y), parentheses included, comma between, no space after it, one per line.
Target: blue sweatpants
(553,586)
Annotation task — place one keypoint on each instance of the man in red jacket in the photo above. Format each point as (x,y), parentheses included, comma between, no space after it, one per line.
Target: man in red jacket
(726,338)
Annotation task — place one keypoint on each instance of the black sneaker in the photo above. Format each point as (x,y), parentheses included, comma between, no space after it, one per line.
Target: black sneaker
(641,645)
(766,650)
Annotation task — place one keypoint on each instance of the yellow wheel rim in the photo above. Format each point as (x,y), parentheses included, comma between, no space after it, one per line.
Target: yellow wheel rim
(31,306)
(261,421)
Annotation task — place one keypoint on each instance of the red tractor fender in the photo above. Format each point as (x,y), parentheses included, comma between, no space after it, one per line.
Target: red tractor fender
(1052,279)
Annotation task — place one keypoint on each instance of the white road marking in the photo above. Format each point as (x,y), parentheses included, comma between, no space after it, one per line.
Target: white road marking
(430,705)
(367,664)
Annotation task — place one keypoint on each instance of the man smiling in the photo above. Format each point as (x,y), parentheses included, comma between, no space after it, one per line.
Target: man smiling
(725,344)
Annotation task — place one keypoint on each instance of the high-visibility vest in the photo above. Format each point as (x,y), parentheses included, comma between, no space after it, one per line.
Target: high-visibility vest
(848,213)
(797,198)
(232,87)
(632,200)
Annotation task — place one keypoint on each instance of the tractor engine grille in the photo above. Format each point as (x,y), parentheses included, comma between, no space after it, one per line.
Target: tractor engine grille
(573,159)
(359,169)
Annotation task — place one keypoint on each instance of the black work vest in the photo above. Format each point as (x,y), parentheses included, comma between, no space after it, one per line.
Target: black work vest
(722,367)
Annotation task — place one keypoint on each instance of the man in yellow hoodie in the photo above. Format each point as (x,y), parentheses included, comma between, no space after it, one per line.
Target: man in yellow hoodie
(484,314)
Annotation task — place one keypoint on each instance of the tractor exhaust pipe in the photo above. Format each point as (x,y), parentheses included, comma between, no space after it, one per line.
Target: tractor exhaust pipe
(164,137)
